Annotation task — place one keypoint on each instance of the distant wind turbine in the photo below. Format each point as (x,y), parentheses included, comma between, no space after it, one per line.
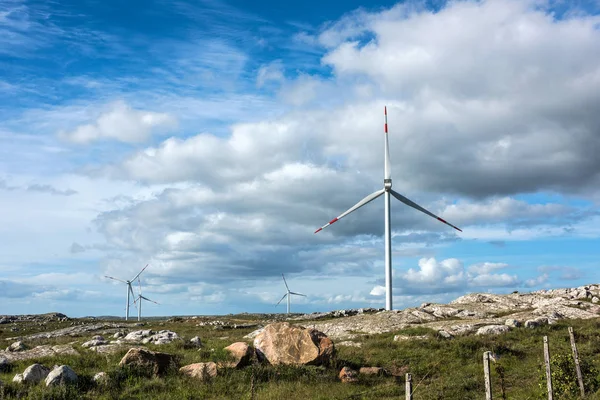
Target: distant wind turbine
(129,289)
(289,294)
(140,298)
(386,191)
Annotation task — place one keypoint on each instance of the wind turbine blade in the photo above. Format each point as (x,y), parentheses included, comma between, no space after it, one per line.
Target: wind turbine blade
(387,166)
(418,207)
(110,277)
(298,294)
(132,295)
(286,285)
(139,273)
(358,205)
(281,300)
(147,299)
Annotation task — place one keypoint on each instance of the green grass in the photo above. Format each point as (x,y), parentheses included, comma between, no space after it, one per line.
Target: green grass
(441,368)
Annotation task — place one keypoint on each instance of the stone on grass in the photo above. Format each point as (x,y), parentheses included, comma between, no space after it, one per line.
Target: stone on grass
(201,371)
(5,365)
(371,371)
(61,376)
(348,375)
(157,362)
(241,353)
(513,323)
(17,346)
(492,330)
(282,343)
(35,373)
(101,378)
(196,341)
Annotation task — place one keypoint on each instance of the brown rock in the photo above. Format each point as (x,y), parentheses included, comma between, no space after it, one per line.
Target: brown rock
(282,343)
(242,354)
(157,362)
(348,375)
(202,371)
(371,371)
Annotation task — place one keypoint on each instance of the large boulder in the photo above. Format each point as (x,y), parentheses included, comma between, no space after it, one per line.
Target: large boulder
(201,371)
(241,353)
(61,375)
(282,343)
(157,362)
(34,374)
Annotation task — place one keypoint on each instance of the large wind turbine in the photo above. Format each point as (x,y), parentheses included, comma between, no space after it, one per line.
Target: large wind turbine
(140,298)
(129,289)
(386,191)
(289,294)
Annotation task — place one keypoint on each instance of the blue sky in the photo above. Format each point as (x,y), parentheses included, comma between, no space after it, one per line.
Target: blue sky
(210,139)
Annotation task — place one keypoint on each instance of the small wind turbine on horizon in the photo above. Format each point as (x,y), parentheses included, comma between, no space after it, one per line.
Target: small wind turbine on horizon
(129,289)
(386,191)
(139,298)
(289,294)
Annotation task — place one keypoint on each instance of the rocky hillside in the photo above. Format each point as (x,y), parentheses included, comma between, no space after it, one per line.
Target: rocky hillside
(473,313)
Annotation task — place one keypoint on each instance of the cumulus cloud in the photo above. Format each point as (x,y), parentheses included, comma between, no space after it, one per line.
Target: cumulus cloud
(122,123)
(450,275)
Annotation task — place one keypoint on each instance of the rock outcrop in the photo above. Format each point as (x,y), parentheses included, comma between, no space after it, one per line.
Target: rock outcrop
(40,352)
(282,343)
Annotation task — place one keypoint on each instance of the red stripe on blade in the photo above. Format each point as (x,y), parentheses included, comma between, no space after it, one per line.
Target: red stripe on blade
(319,230)
(385,127)
(333,220)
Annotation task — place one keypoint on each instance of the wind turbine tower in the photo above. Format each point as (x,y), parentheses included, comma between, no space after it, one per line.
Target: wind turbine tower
(129,289)
(289,294)
(386,191)
(139,298)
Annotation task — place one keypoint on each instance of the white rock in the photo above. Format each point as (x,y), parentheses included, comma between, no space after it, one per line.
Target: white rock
(16,346)
(61,375)
(492,330)
(445,335)
(349,343)
(94,343)
(595,300)
(399,338)
(513,323)
(196,341)
(101,378)
(35,373)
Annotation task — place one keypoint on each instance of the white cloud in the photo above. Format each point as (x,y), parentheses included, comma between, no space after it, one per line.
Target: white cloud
(450,275)
(272,72)
(377,291)
(122,123)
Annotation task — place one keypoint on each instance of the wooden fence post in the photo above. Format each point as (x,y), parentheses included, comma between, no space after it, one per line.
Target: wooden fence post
(408,389)
(548,372)
(486,375)
(576,358)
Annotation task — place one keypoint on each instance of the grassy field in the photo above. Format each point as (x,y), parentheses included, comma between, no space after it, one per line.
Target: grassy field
(441,368)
